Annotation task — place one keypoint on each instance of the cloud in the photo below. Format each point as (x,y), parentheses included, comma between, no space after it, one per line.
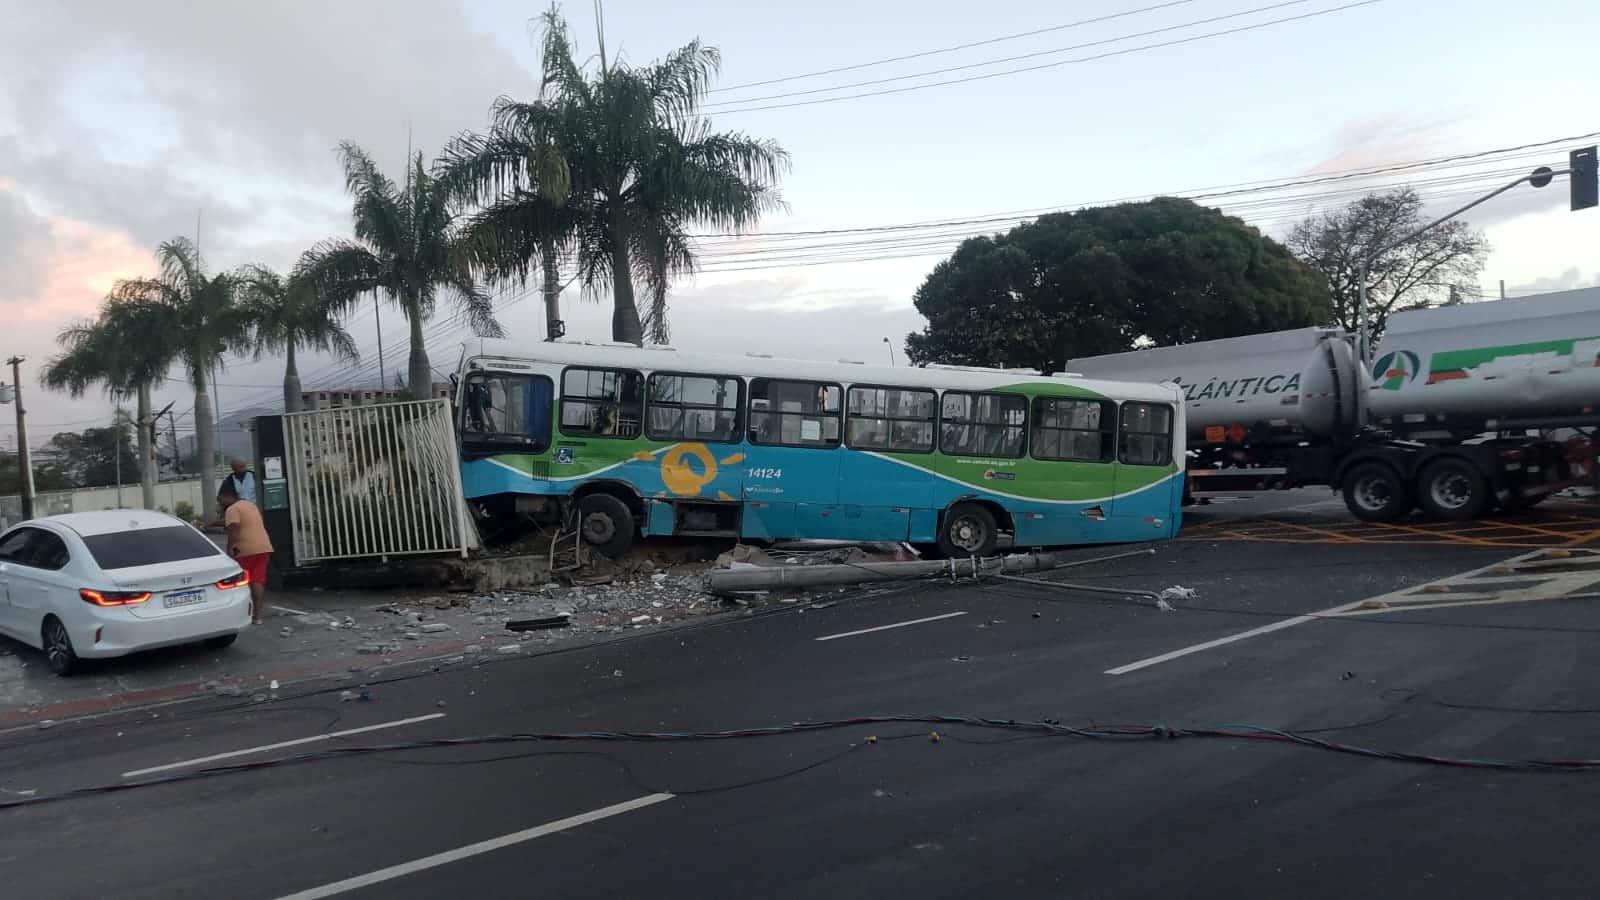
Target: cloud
(1571,279)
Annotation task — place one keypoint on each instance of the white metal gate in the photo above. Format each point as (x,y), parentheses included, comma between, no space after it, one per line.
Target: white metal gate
(379,480)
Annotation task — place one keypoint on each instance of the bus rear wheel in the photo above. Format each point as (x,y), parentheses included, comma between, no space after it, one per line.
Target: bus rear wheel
(606,524)
(968,530)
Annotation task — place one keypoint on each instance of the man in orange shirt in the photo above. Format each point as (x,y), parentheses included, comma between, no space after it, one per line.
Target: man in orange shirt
(248,543)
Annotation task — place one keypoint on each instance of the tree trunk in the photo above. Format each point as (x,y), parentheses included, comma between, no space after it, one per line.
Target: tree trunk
(421,374)
(291,383)
(205,439)
(552,289)
(147,450)
(625,325)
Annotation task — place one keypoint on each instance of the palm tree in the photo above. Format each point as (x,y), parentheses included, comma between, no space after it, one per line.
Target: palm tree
(517,177)
(405,248)
(286,314)
(195,315)
(642,167)
(126,353)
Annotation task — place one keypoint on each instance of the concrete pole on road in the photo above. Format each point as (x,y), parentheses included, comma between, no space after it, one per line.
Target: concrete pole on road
(1538,178)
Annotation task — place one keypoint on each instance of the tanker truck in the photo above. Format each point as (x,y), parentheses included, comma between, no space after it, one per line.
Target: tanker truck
(1465,408)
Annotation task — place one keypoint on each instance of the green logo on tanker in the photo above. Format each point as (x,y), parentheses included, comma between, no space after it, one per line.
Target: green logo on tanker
(1396,370)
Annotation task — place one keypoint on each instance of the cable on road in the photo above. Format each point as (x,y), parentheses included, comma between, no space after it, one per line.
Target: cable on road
(1043,728)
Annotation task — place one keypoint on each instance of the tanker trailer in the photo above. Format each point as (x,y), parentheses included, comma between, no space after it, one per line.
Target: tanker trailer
(1463,409)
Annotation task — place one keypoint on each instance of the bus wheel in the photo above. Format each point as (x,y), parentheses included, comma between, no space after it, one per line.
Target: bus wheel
(969,530)
(1373,492)
(1452,490)
(606,524)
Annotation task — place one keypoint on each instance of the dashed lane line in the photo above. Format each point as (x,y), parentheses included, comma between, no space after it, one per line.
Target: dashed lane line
(845,634)
(280,745)
(471,850)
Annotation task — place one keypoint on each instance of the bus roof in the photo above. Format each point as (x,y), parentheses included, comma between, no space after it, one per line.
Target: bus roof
(667,359)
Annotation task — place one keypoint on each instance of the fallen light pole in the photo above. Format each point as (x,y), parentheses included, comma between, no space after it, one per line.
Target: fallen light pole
(767,578)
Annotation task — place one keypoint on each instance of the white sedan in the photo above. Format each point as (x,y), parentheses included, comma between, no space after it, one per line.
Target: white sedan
(96,584)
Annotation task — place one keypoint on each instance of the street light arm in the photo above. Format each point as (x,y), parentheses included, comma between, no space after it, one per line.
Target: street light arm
(1362,350)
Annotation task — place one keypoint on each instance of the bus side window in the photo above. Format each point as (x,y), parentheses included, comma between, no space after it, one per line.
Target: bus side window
(1146,434)
(601,403)
(983,424)
(794,413)
(1073,430)
(888,418)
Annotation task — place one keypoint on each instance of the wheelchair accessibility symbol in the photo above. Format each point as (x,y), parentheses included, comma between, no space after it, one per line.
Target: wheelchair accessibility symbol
(566,456)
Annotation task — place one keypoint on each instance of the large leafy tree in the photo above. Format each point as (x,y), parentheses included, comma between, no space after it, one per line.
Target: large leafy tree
(287,314)
(192,318)
(405,249)
(125,351)
(1107,279)
(1438,267)
(95,457)
(640,165)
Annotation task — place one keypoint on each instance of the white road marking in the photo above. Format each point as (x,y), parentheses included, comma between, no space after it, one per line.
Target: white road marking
(834,637)
(470,850)
(281,744)
(1462,589)
(292,612)
(1208,645)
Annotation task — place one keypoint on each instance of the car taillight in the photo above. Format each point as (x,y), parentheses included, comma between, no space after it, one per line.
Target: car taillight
(113,598)
(236,580)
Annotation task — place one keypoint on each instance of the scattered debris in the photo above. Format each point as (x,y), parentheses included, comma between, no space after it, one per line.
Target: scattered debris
(639,620)
(348,696)
(960,658)
(1347,676)
(259,698)
(273,685)
(616,673)
(556,621)
(434,628)
(285,631)
(509,649)
(1179,592)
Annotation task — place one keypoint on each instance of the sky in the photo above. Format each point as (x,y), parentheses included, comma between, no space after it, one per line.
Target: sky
(126,124)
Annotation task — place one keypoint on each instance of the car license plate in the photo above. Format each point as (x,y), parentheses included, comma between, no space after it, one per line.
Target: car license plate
(177,599)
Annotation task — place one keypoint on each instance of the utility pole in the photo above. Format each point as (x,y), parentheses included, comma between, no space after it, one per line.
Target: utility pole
(23,460)
(172,431)
(116,452)
(891,351)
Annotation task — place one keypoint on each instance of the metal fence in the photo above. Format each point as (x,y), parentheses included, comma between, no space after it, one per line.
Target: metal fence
(375,481)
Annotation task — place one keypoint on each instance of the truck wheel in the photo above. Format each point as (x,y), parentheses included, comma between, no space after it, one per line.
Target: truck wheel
(968,530)
(1452,490)
(1373,492)
(606,524)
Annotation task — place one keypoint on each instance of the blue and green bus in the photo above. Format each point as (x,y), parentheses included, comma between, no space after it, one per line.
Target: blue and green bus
(629,441)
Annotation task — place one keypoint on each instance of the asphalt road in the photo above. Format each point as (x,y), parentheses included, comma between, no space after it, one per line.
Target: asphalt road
(976,813)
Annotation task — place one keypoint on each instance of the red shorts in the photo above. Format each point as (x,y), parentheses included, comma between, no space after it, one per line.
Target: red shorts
(255,566)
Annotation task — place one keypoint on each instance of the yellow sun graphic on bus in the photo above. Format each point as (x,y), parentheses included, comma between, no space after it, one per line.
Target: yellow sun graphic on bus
(687,468)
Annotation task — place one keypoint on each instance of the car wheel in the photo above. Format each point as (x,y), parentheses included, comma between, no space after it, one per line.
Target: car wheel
(968,530)
(58,647)
(221,641)
(1452,490)
(1373,492)
(606,524)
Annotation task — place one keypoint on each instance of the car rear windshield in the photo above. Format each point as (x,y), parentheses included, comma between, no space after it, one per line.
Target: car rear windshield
(148,546)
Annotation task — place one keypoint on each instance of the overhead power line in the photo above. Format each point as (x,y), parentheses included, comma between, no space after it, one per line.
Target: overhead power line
(1065,62)
(953,49)
(1018,58)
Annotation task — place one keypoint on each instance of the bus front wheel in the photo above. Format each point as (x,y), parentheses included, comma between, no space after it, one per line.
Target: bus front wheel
(968,530)
(606,524)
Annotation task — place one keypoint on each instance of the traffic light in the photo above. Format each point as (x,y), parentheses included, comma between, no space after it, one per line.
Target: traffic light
(1585,183)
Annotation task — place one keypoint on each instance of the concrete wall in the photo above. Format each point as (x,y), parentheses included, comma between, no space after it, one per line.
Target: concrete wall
(168,495)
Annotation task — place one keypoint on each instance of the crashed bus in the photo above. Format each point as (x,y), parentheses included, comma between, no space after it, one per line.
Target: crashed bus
(619,442)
